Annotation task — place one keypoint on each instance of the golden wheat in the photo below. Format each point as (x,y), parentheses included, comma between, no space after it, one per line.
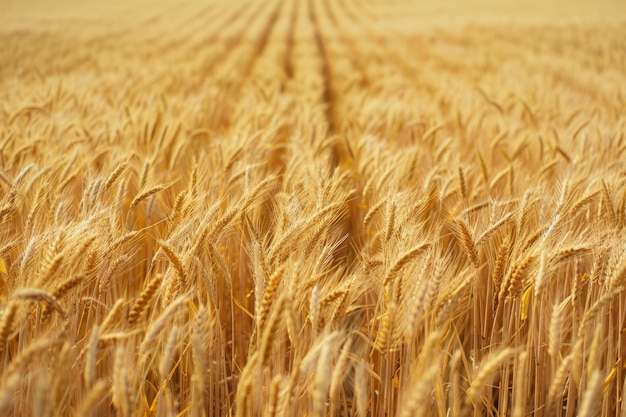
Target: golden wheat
(321,208)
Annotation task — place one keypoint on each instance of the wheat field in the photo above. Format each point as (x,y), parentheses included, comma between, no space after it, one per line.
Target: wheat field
(312,208)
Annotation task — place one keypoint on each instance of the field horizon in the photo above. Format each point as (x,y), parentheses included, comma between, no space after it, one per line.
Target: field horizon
(312,208)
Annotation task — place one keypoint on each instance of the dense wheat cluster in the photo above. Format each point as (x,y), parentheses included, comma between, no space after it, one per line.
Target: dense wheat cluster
(312,208)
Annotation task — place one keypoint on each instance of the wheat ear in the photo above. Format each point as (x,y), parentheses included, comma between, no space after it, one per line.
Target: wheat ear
(390,219)
(141,305)
(39,295)
(6,324)
(159,324)
(322,381)
(274,394)
(270,294)
(89,373)
(520,389)
(608,201)
(95,396)
(588,406)
(487,369)
(554,332)
(417,403)
(402,260)
(340,370)
(372,212)
(177,263)
(467,241)
(63,289)
(142,196)
(270,331)
(115,175)
(121,385)
(462,184)
(557,385)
